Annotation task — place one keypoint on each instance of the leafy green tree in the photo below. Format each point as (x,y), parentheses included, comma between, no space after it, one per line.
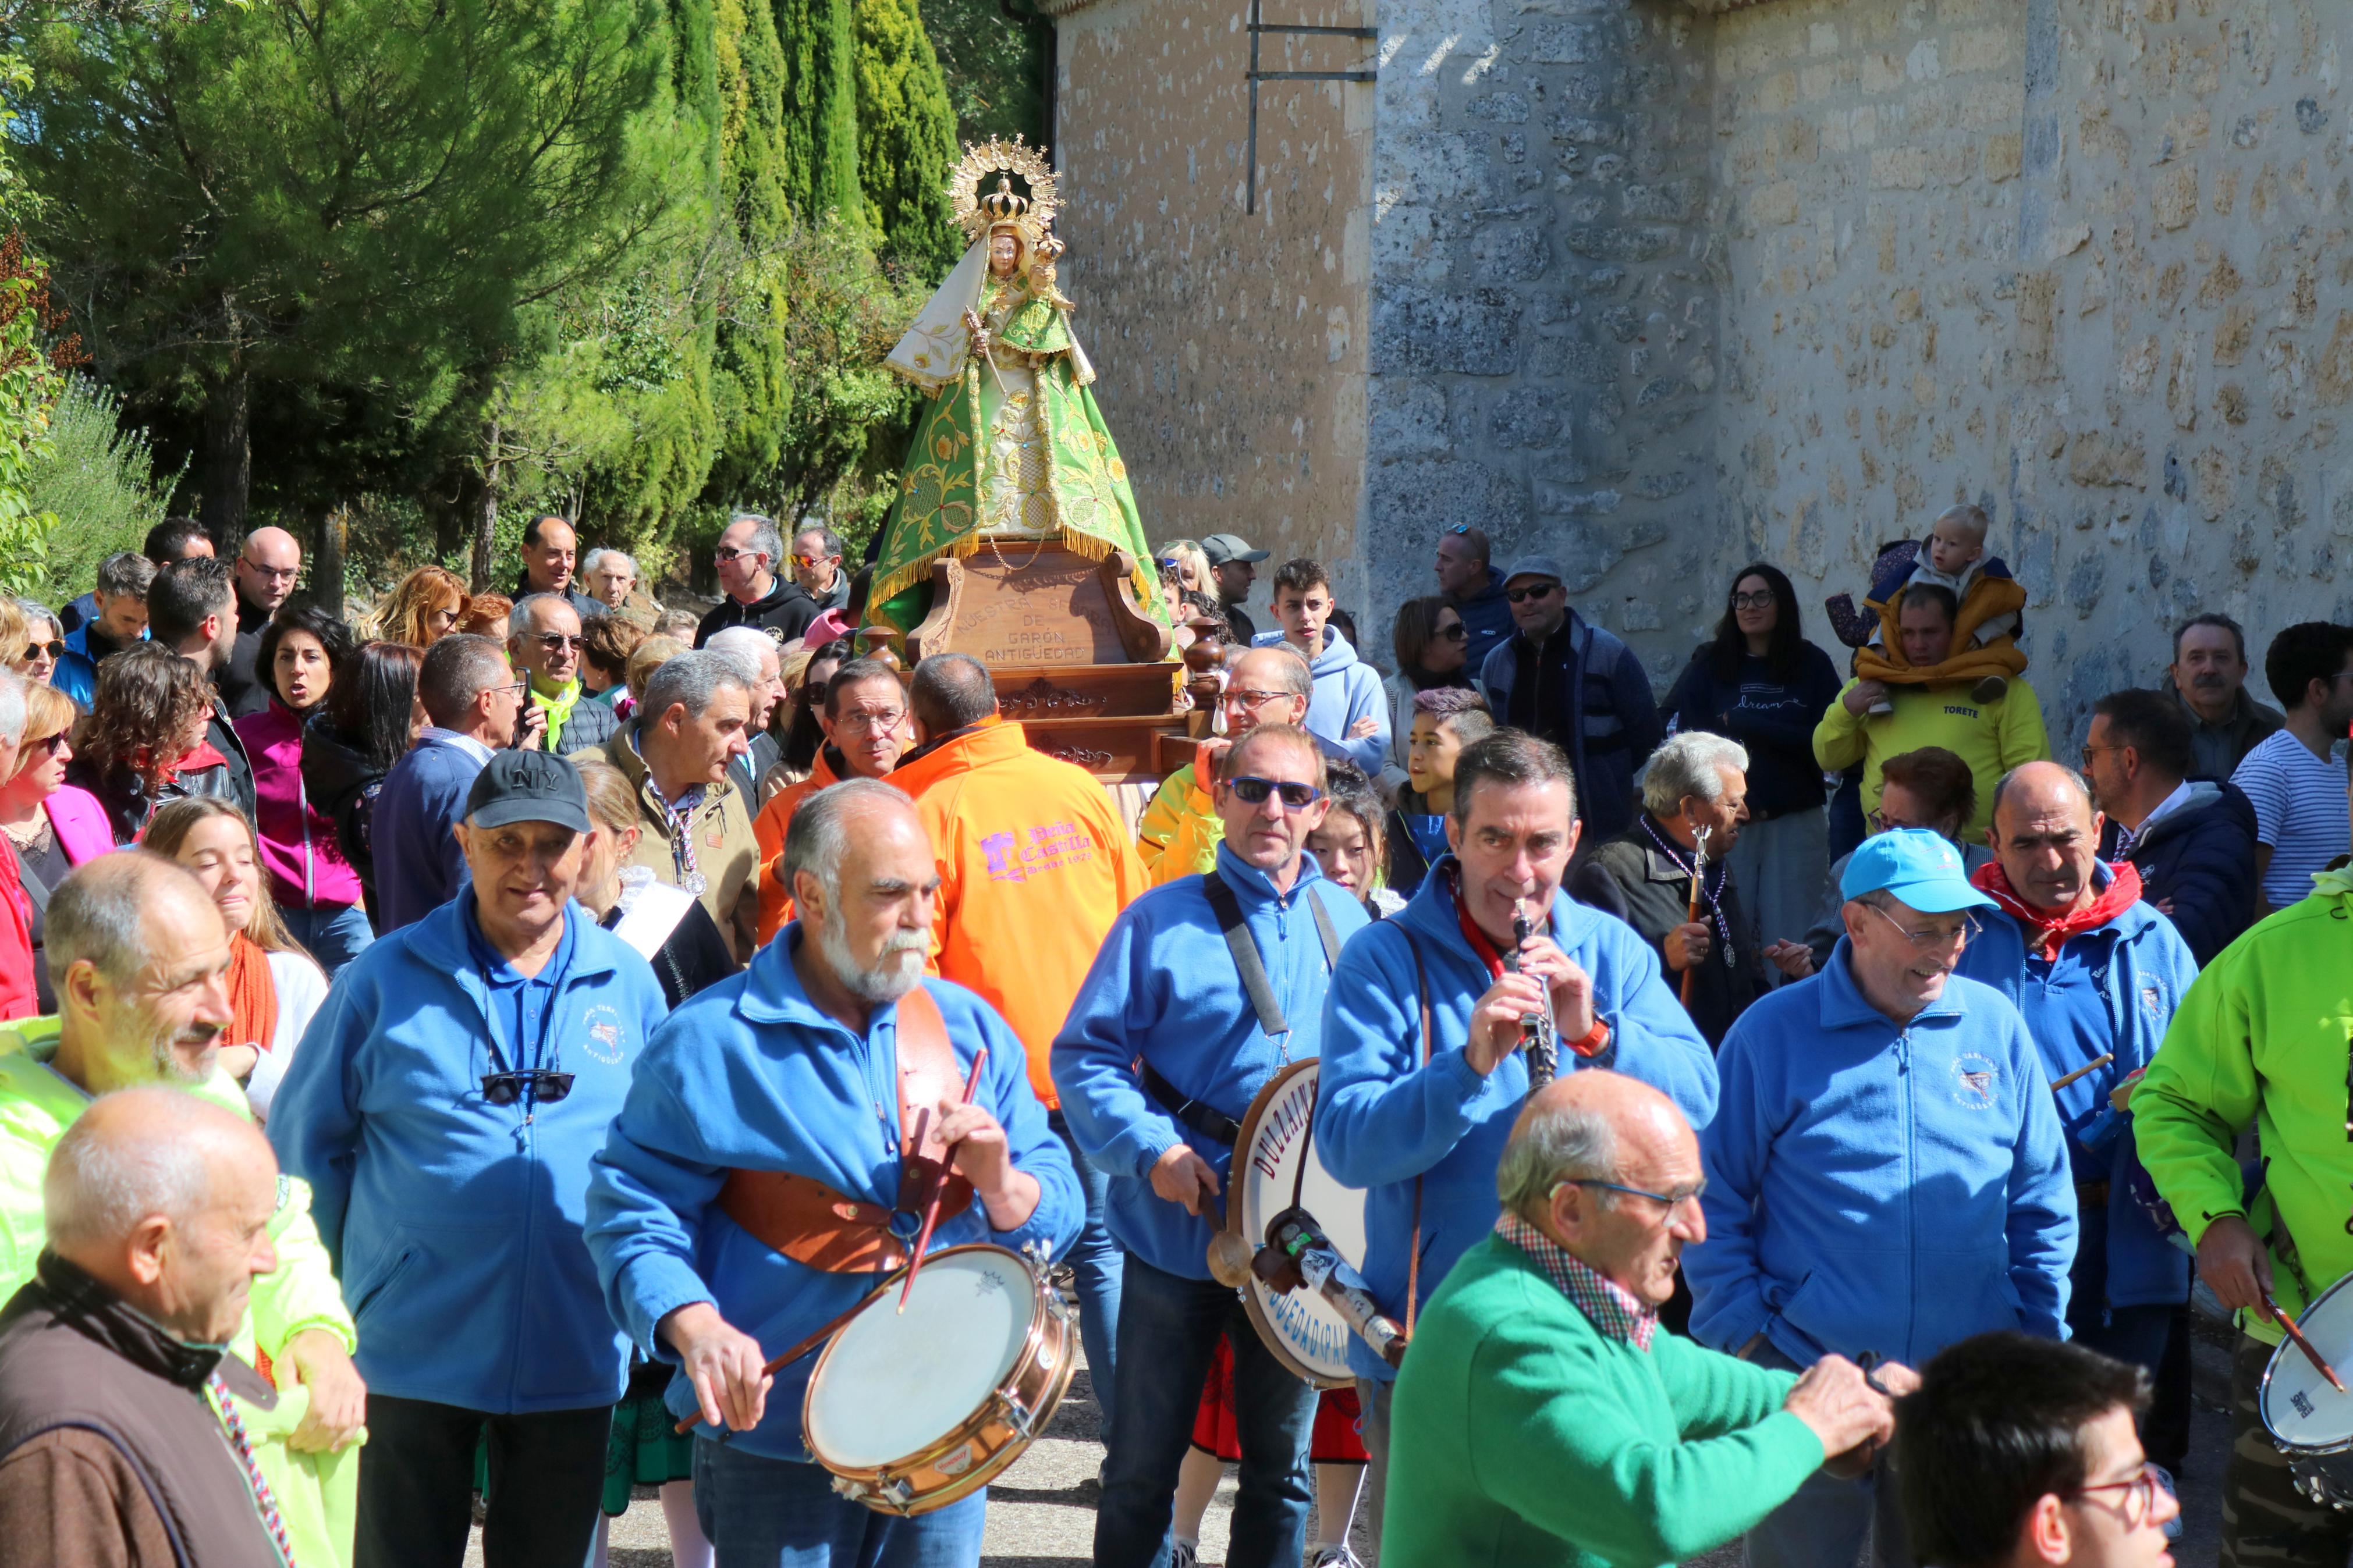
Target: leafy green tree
(993,57)
(906,137)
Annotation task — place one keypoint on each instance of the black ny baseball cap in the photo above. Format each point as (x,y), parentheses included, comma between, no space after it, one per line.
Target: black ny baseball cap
(528,786)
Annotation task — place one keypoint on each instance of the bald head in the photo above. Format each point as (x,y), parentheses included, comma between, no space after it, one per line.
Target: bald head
(948,693)
(861,866)
(2046,835)
(139,959)
(165,1200)
(267,568)
(1267,686)
(1586,1124)
(1576,1145)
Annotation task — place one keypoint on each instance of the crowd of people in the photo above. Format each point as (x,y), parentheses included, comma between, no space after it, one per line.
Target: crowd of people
(602,978)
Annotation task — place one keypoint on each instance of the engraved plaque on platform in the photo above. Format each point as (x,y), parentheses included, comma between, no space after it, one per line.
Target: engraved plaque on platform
(1029,605)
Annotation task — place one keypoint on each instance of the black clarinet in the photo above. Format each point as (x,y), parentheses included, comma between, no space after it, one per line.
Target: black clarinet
(1535,1038)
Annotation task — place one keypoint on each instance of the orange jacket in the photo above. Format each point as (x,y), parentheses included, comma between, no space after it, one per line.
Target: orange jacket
(1035,864)
(769,827)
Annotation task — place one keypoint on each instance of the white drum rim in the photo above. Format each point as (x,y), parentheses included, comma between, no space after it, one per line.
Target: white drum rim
(2287,1347)
(973,1419)
(1254,1292)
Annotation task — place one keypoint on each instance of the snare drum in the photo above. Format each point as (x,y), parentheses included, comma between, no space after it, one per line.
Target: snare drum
(915,1411)
(2311,1423)
(1305,1332)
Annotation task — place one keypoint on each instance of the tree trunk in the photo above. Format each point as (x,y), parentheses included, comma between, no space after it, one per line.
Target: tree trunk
(486,513)
(327,561)
(228,445)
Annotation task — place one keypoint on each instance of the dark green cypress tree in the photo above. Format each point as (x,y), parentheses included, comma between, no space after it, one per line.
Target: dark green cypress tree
(906,137)
(819,120)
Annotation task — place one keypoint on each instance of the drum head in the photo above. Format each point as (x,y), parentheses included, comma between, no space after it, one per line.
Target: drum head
(2299,1407)
(1305,1331)
(892,1385)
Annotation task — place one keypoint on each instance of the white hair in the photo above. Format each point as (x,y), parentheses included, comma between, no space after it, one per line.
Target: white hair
(819,832)
(597,557)
(101,1185)
(523,619)
(766,540)
(746,647)
(1687,764)
(1561,1142)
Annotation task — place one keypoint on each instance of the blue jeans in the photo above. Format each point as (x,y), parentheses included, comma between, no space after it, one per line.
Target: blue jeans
(1830,1522)
(1094,1260)
(781,1513)
(334,934)
(1168,1329)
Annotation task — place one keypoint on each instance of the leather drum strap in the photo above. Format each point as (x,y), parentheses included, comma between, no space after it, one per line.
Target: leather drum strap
(816,1226)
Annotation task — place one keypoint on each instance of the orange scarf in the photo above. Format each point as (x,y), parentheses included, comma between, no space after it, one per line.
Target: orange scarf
(252,995)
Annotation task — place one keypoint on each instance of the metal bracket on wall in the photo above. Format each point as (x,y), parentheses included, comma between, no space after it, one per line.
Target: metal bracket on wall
(1256,75)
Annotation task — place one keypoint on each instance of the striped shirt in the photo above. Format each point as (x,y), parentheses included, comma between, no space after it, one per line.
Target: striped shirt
(2300,812)
(1612,1309)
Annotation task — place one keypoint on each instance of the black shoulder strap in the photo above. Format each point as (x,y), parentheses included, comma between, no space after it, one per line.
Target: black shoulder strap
(1247,962)
(37,892)
(1331,938)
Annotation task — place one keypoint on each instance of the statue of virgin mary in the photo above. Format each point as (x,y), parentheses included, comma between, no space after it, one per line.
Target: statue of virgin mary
(1010,445)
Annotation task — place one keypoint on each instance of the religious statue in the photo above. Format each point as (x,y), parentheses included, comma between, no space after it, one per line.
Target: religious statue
(1011,448)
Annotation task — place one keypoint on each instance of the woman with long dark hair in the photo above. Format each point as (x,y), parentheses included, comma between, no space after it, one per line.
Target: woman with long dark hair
(1761,683)
(1431,644)
(302,652)
(368,722)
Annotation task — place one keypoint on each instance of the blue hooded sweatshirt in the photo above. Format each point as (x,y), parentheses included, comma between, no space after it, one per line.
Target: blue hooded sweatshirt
(1382,1118)
(1346,689)
(454,1223)
(2111,990)
(1881,1188)
(1164,989)
(749,1075)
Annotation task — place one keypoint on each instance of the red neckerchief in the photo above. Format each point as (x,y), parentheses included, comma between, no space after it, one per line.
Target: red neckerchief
(1494,960)
(2048,930)
(201,755)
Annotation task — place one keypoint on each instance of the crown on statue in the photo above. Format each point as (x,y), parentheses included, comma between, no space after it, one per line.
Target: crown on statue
(976,214)
(1004,204)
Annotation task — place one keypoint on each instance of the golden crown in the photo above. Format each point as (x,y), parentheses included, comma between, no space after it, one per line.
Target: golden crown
(976,214)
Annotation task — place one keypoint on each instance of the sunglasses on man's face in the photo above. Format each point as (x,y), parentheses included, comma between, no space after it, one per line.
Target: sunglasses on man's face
(1295,797)
(546,1086)
(556,642)
(1522,596)
(54,650)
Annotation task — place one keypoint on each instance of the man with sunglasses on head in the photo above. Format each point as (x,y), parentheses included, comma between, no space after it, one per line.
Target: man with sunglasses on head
(544,639)
(1163,1050)
(1418,1116)
(2017,1452)
(1564,680)
(445,1107)
(1887,1171)
(2097,973)
(1475,589)
(1179,832)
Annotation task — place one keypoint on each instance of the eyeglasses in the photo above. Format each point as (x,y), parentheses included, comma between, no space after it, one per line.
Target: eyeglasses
(1252,790)
(2091,752)
(517,687)
(272,572)
(1763,601)
(1883,823)
(1668,1201)
(724,556)
(1251,702)
(546,1085)
(1458,632)
(556,642)
(54,650)
(48,743)
(2139,1489)
(804,560)
(877,721)
(1930,941)
(1522,596)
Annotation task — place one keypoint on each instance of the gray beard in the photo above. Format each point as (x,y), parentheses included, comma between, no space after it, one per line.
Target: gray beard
(890,979)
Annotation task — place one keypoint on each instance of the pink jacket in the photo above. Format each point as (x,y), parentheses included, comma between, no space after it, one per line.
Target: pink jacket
(81,823)
(307,869)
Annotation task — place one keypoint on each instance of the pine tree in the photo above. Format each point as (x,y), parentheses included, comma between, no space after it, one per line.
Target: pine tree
(906,137)
(819,120)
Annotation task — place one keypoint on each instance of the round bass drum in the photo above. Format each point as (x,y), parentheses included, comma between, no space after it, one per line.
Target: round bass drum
(1276,1167)
(913,1411)
(2310,1422)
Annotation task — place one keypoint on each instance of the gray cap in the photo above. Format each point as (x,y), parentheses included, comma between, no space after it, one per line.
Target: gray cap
(1536,566)
(1220,548)
(528,786)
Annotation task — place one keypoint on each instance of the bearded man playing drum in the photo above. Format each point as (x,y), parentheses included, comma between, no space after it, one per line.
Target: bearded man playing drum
(752,1187)
(1422,1070)
(1164,1052)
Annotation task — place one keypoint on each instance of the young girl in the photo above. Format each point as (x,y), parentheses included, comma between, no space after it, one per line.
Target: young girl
(1445,720)
(1350,849)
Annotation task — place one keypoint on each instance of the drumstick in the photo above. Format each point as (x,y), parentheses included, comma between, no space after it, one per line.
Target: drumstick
(688,1423)
(2280,1316)
(2099,1061)
(1691,915)
(939,1187)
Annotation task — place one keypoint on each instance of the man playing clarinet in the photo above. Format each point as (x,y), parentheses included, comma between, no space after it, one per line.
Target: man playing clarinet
(753,1188)
(1423,1065)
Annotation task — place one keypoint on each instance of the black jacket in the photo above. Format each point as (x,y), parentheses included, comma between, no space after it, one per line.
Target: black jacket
(128,804)
(1632,878)
(1773,719)
(242,686)
(343,784)
(784,615)
(222,736)
(2200,855)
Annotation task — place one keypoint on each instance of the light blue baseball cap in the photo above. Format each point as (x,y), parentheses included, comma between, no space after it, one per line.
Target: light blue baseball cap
(1918,867)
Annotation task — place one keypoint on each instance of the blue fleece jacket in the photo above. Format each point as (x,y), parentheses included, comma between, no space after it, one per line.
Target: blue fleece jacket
(1164,989)
(2111,990)
(455,1224)
(419,867)
(76,674)
(1382,1118)
(749,1075)
(1877,1187)
(1346,689)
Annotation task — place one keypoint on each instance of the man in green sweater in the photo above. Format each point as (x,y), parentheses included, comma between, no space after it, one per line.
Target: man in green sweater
(1542,1417)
